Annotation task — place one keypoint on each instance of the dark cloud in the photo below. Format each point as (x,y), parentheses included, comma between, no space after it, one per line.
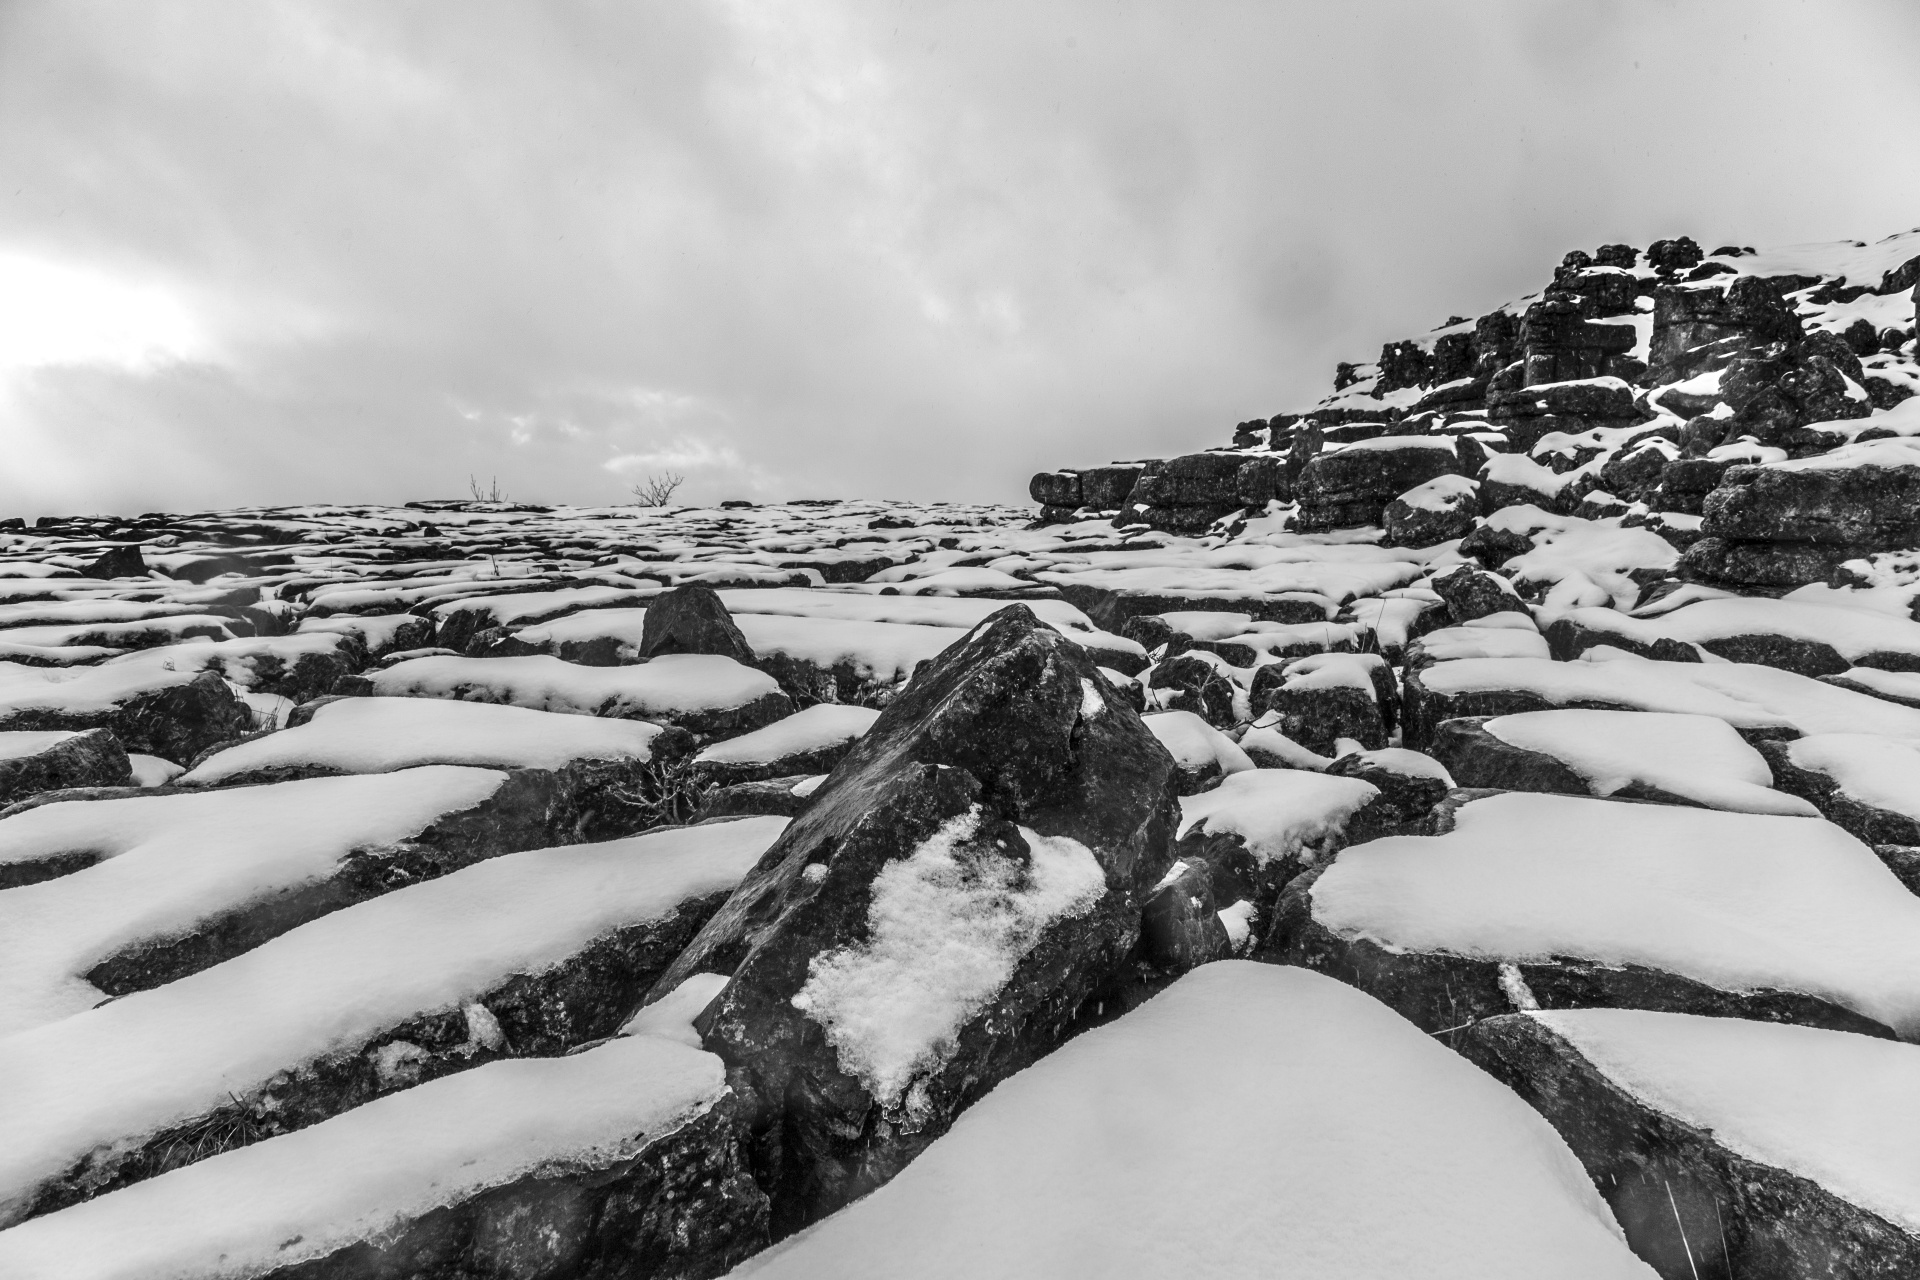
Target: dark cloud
(870,248)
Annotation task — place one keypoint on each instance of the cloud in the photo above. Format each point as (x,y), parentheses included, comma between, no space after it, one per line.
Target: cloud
(359,251)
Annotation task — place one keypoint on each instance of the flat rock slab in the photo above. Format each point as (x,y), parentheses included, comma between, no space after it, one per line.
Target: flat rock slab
(1249,1120)
(528,954)
(177,883)
(1758,701)
(702,693)
(1568,902)
(809,741)
(620,1160)
(1729,1147)
(150,707)
(1808,638)
(1865,784)
(379,735)
(1641,755)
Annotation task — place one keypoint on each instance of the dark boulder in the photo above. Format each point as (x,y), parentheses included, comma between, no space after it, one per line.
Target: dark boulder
(1106,488)
(1056,489)
(1426,516)
(117,562)
(1470,594)
(1197,685)
(691,619)
(175,722)
(1003,770)
(1352,486)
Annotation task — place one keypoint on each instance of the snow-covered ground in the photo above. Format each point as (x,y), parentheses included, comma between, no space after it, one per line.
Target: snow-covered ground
(1250,1120)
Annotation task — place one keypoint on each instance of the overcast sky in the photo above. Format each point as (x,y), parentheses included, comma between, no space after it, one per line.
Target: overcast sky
(256,252)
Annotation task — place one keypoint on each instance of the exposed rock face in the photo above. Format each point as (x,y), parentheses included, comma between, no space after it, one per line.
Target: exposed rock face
(91,758)
(1689,1204)
(1470,595)
(1004,769)
(176,723)
(1787,525)
(1354,485)
(1428,514)
(691,619)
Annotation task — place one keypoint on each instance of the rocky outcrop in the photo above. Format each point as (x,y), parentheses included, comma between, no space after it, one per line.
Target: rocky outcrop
(1352,485)
(1785,525)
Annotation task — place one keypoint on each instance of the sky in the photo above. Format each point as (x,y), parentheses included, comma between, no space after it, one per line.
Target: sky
(261,253)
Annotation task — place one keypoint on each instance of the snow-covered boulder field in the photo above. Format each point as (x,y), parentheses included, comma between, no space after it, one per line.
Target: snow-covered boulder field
(1467,827)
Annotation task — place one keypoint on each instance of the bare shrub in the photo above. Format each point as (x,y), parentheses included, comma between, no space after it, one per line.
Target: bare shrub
(657,491)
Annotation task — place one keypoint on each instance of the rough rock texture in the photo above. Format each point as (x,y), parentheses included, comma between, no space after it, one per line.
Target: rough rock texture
(1778,527)
(1009,726)
(175,723)
(1469,594)
(1354,486)
(691,619)
(1689,1205)
(90,758)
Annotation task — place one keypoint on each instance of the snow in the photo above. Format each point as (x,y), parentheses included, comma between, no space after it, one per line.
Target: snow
(814,728)
(1697,757)
(1267,741)
(1879,772)
(947,926)
(1250,1120)
(379,735)
(153,771)
(1279,813)
(1745,695)
(1334,671)
(156,1059)
(304,1195)
(671,685)
(1857,1133)
(1894,451)
(17,743)
(672,1015)
(1194,744)
(1447,644)
(169,863)
(1736,901)
(83,690)
(1442,493)
(1854,633)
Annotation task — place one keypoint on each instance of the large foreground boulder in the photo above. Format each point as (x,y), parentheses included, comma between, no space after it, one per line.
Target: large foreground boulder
(1250,1120)
(1727,1147)
(964,887)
